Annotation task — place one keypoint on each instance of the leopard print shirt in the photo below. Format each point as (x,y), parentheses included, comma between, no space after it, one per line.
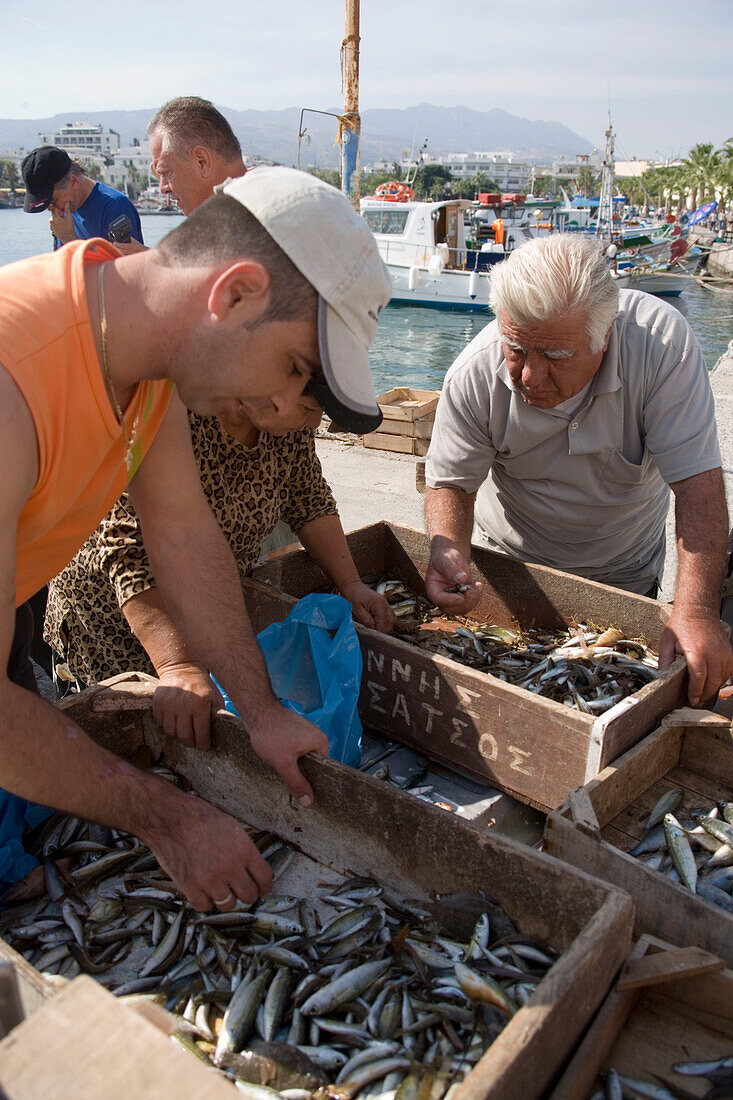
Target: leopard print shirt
(248,490)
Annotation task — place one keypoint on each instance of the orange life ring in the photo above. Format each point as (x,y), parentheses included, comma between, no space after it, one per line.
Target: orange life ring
(394,192)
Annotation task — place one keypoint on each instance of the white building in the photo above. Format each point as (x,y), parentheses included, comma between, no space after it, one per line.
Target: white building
(83,138)
(126,157)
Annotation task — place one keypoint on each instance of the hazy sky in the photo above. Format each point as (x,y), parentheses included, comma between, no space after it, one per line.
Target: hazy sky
(664,65)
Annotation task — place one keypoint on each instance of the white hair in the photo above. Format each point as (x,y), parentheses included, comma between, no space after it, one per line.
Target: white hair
(551,276)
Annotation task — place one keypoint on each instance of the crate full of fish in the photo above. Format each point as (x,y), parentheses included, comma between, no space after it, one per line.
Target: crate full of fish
(378,965)
(665,1032)
(549,680)
(659,824)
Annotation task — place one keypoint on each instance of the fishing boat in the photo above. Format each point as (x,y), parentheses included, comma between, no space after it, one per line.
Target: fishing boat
(656,265)
(425,248)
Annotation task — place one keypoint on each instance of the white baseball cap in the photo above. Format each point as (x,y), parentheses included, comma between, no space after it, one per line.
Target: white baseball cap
(332,246)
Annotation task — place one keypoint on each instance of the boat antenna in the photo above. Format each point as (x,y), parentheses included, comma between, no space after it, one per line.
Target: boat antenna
(604,224)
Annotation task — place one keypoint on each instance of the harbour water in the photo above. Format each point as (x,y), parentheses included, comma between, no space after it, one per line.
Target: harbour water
(414,346)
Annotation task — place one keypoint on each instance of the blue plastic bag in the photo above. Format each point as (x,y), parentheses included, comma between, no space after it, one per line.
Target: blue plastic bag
(314,662)
(17,815)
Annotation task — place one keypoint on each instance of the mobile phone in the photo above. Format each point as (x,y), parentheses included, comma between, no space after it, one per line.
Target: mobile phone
(119,230)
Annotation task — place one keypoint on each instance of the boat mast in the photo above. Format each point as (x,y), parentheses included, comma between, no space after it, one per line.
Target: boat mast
(604,225)
(350,125)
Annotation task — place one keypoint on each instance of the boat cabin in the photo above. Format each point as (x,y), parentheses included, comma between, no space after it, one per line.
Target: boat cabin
(413,232)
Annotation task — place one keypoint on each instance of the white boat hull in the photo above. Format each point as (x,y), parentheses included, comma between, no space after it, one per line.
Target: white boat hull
(448,290)
(666,284)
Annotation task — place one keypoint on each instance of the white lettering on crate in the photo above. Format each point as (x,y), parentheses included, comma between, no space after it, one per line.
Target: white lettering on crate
(375,661)
(400,708)
(403,671)
(431,713)
(376,692)
(519,757)
(425,687)
(464,730)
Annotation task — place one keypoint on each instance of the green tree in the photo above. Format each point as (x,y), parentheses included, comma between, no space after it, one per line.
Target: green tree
(474,186)
(136,181)
(432,181)
(699,169)
(586,182)
(329,175)
(9,175)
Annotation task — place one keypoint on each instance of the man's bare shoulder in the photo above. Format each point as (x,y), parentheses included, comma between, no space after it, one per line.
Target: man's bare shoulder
(18,443)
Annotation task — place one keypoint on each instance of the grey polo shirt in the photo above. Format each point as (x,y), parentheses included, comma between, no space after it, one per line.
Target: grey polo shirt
(588,492)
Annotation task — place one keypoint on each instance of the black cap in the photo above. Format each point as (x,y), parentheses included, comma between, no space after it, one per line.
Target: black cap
(42,169)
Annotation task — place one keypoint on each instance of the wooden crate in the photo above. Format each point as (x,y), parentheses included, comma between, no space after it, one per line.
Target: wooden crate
(692,750)
(407,404)
(402,444)
(642,1030)
(41,1057)
(531,747)
(359,825)
(418,429)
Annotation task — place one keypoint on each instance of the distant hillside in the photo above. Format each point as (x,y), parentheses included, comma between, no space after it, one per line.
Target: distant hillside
(385,132)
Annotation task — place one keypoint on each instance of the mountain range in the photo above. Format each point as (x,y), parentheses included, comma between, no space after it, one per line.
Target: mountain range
(386,133)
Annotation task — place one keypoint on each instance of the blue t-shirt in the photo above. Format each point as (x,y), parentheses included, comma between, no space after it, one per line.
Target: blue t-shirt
(104,204)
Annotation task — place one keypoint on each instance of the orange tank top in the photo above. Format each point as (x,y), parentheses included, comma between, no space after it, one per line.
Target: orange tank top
(47,346)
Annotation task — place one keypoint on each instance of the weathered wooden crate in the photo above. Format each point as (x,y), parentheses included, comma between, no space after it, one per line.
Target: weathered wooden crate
(407,404)
(692,750)
(127,1052)
(531,747)
(403,444)
(642,1030)
(359,825)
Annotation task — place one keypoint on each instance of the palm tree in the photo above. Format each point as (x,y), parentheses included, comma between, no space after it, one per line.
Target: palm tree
(699,171)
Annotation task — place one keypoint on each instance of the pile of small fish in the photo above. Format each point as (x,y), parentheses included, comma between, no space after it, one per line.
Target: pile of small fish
(583,668)
(337,995)
(718,1071)
(696,850)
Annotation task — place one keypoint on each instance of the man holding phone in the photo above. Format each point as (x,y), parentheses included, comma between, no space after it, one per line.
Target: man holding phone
(80,207)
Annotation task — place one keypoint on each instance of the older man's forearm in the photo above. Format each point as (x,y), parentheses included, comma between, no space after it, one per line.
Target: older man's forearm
(701,522)
(449,519)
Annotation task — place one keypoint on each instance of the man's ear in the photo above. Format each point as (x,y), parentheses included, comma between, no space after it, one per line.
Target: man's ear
(240,293)
(203,159)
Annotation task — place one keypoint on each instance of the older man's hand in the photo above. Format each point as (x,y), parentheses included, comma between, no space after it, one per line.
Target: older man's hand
(702,640)
(62,224)
(448,582)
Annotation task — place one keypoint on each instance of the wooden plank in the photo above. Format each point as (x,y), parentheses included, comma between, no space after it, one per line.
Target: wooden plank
(83,1044)
(661,907)
(576,1082)
(358,824)
(422,428)
(708,749)
(683,963)
(380,441)
(642,1033)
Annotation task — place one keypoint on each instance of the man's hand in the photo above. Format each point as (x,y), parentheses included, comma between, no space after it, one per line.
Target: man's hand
(368,607)
(280,740)
(702,640)
(448,581)
(183,702)
(62,223)
(207,853)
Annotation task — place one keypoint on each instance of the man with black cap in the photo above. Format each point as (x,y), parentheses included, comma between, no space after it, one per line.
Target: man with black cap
(80,207)
(272,286)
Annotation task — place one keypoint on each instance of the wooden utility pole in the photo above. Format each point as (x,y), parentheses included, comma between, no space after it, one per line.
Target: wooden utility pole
(350,128)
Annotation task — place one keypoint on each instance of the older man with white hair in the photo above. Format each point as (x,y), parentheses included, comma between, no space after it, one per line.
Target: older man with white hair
(561,429)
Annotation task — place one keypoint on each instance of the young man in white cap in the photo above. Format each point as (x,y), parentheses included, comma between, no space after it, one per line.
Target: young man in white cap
(273,286)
